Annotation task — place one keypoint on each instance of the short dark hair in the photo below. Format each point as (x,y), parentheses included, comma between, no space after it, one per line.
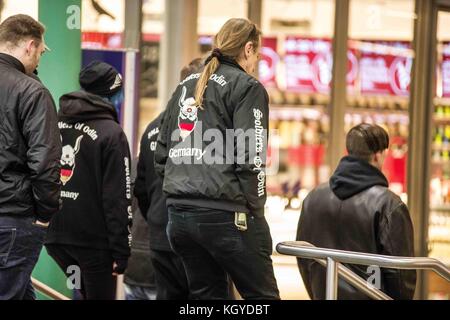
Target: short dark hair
(364,140)
(195,66)
(20,27)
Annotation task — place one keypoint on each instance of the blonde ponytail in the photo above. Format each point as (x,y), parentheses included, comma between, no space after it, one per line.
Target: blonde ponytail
(229,42)
(202,82)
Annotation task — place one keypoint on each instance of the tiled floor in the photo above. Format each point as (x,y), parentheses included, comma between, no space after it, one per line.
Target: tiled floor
(288,278)
(283,227)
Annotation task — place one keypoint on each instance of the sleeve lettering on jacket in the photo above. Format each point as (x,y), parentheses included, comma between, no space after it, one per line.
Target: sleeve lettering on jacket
(128,196)
(259,146)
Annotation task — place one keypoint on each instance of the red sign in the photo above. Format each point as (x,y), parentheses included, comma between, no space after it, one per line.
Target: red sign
(309,65)
(101,40)
(385,68)
(268,63)
(395,163)
(306,155)
(352,70)
(446,71)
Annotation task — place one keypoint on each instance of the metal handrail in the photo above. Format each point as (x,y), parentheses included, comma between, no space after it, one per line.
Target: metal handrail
(358,282)
(334,257)
(46,290)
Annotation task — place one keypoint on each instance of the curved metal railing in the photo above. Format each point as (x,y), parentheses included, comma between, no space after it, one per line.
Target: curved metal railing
(46,290)
(332,258)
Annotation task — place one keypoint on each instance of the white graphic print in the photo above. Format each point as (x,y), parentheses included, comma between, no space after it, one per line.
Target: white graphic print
(68,160)
(117,82)
(187,118)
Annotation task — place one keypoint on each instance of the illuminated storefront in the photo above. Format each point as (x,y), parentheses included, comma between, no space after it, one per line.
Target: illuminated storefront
(387,57)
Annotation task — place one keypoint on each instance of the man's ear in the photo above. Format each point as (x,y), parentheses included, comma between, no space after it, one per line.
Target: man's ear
(30,44)
(375,158)
(379,156)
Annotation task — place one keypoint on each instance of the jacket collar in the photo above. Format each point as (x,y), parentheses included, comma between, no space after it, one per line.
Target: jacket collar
(231,62)
(10,61)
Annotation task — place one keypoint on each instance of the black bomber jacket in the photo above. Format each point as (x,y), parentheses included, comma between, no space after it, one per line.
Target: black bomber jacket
(30,145)
(202,152)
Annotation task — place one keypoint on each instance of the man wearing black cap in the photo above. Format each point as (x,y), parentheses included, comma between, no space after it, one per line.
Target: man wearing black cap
(92,229)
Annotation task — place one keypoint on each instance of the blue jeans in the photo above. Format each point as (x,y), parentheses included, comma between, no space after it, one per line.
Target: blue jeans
(139,293)
(20,245)
(211,248)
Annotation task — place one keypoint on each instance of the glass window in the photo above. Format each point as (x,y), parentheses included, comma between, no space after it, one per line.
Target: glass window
(105,16)
(380,60)
(12,7)
(213,14)
(295,68)
(152,28)
(439,218)
(102,25)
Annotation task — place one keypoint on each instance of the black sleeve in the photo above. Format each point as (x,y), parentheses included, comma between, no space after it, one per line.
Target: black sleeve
(161,152)
(251,121)
(304,265)
(140,187)
(41,133)
(117,194)
(396,238)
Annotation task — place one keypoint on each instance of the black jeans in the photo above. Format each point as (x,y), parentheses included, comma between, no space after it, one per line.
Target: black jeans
(211,246)
(170,276)
(97,281)
(20,245)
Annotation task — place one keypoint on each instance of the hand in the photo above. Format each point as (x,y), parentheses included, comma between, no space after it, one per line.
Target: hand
(119,267)
(114,269)
(42,224)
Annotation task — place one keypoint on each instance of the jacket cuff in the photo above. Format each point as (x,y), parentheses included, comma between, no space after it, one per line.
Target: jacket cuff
(258,212)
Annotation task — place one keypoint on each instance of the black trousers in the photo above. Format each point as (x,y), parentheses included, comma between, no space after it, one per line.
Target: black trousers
(97,281)
(212,248)
(170,276)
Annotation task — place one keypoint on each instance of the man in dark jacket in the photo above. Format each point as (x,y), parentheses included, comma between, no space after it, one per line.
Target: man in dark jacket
(211,152)
(139,278)
(30,149)
(356,211)
(170,276)
(92,229)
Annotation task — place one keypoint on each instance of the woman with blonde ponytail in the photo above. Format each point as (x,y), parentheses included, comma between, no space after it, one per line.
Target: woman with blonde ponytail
(211,154)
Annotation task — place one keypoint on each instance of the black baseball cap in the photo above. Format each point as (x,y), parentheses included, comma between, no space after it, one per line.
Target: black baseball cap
(100,78)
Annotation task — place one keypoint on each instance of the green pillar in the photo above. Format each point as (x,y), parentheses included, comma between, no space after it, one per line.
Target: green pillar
(59,68)
(58,71)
